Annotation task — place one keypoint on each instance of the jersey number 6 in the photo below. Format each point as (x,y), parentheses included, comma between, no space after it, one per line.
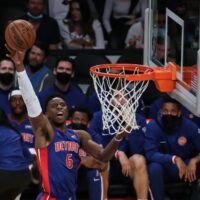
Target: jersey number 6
(69,161)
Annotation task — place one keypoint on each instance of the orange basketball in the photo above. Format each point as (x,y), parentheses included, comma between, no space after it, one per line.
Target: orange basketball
(20,34)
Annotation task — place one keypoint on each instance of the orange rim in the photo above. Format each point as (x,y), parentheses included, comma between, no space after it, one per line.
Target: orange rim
(164,77)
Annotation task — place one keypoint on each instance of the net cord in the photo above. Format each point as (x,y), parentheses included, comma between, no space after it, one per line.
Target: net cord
(119,117)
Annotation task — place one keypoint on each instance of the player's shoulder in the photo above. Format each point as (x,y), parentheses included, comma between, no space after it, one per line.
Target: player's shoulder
(153,125)
(140,117)
(188,123)
(98,114)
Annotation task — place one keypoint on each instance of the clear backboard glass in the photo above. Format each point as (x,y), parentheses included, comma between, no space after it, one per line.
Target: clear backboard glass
(172,34)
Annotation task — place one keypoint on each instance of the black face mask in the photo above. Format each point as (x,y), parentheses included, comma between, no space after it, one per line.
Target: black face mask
(63,78)
(79,126)
(170,122)
(6,78)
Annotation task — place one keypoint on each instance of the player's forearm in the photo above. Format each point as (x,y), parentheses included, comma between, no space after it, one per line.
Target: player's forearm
(155,156)
(86,161)
(20,68)
(108,152)
(28,94)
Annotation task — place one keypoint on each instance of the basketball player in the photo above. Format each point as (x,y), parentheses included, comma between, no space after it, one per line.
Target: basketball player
(131,157)
(19,118)
(57,147)
(156,105)
(172,148)
(133,164)
(91,168)
(14,160)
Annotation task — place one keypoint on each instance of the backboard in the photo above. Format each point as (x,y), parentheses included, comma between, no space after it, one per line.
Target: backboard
(172,34)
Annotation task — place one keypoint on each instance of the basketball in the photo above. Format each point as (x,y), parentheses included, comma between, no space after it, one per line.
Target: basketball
(20,35)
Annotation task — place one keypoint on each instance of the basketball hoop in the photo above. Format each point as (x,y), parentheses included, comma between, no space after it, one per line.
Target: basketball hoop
(119,88)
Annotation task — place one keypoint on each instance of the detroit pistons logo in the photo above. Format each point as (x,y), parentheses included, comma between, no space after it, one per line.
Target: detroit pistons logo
(182,141)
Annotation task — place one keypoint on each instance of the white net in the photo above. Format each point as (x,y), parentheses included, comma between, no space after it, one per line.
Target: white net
(119,100)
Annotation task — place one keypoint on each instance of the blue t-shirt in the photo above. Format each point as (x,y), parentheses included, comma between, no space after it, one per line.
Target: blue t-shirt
(73,96)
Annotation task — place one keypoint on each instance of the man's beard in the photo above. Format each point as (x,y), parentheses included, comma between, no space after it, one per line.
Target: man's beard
(19,115)
(35,67)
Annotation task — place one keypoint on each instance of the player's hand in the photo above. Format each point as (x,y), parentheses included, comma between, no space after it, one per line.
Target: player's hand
(17,56)
(123,134)
(182,167)
(191,170)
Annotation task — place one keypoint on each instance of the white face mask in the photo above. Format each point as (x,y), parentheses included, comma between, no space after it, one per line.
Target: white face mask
(38,17)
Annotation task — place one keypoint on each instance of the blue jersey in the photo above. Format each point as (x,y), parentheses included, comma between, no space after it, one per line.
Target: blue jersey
(58,165)
(182,141)
(73,96)
(26,131)
(12,152)
(134,144)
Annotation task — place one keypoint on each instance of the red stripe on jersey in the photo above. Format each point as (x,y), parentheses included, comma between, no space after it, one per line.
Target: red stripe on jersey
(42,160)
(79,165)
(47,197)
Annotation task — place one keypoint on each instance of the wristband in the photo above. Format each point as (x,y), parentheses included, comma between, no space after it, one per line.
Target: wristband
(118,140)
(117,154)
(174,159)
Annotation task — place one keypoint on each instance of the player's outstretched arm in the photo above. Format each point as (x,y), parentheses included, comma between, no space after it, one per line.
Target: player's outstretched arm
(41,126)
(96,150)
